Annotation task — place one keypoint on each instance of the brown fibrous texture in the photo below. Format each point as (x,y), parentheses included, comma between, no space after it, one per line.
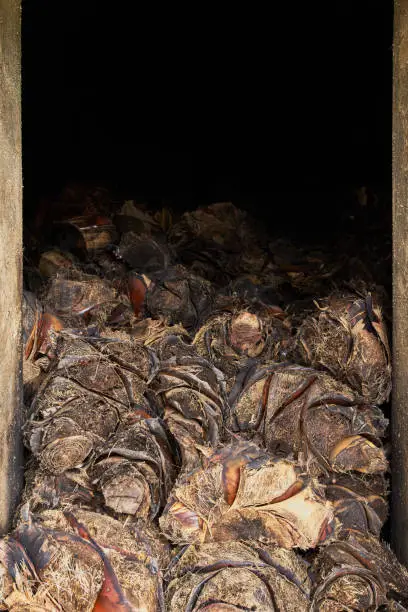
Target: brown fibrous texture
(301,410)
(217,242)
(136,469)
(180,297)
(359,502)
(79,405)
(235,576)
(192,394)
(82,562)
(358,573)
(348,337)
(229,339)
(243,493)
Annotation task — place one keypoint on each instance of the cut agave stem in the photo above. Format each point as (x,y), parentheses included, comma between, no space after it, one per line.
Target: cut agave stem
(297,409)
(80,405)
(83,562)
(136,469)
(245,494)
(192,394)
(358,573)
(348,337)
(359,502)
(229,339)
(233,576)
(179,297)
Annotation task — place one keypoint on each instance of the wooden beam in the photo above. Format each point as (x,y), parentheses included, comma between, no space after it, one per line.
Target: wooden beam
(10,261)
(399,525)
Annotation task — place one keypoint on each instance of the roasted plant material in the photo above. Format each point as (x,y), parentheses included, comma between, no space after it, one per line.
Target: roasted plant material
(229,339)
(76,297)
(137,468)
(79,406)
(161,387)
(40,328)
(40,333)
(191,393)
(85,235)
(348,338)
(152,333)
(180,297)
(245,494)
(217,242)
(82,562)
(143,253)
(52,262)
(237,576)
(137,288)
(359,503)
(308,269)
(134,217)
(297,409)
(70,490)
(358,573)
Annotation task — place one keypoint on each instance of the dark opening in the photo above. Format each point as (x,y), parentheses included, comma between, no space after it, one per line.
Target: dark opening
(284,113)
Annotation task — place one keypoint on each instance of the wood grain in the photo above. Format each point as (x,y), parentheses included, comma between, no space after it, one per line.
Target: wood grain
(400,284)
(10,261)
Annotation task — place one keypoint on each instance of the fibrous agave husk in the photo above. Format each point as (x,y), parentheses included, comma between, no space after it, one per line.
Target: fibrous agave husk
(359,573)
(40,333)
(229,339)
(348,337)
(134,217)
(40,329)
(79,298)
(307,269)
(235,576)
(82,562)
(143,253)
(245,494)
(359,503)
(217,242)
(297,409)
(70,490)
(192,396)
(180,297)
(79,405)
(55,261)
(86,234)
(136,469)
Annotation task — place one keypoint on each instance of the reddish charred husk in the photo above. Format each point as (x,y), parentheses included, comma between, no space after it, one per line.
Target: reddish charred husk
(348,337)
(236,575)
(245,494)
(300,410)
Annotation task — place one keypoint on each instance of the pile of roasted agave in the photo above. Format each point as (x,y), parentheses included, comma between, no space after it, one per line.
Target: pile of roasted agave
(203,421)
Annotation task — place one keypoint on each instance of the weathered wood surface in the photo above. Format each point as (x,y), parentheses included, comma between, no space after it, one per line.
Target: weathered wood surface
(10,260)
(399,524)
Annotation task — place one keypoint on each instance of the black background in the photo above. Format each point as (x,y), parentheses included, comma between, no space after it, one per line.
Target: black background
(282,109)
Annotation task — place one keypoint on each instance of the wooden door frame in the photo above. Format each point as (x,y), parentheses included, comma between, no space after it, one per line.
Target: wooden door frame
(399,420)
(11,259)
(11,271)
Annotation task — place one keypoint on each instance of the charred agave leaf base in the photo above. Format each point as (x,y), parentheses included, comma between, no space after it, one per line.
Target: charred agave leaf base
(348,337)
(79,562)
(245,494)
(237,576)
(178,377)
(358,573)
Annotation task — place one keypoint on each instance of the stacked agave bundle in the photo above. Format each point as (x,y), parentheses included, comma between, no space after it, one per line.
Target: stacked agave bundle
(201,437)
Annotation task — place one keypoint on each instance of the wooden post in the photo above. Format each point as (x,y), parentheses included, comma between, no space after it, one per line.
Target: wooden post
(399,525)
(10,261)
